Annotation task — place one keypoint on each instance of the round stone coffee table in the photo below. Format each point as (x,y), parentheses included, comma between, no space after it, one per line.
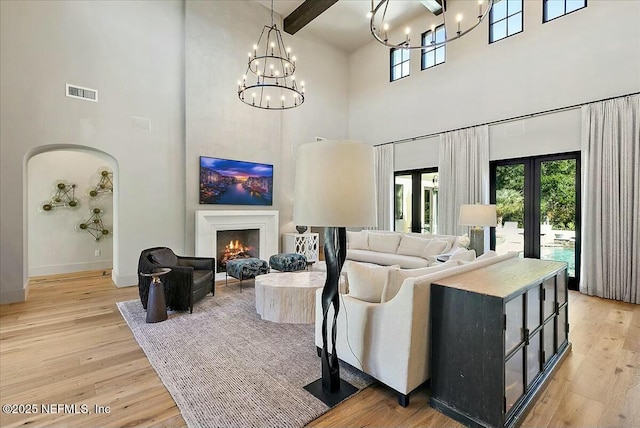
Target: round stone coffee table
(288,297)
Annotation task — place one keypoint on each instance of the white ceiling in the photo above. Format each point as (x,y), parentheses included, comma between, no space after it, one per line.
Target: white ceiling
(345,24)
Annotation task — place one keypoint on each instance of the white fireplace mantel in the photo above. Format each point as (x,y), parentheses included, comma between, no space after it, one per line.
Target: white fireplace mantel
(208,223)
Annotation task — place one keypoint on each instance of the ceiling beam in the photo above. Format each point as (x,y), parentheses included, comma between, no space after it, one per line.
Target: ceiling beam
(305,13)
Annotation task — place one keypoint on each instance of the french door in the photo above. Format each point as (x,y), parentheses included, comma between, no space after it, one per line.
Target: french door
(416,201)
(538,204)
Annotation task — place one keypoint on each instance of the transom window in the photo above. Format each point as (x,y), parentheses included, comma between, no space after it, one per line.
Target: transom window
(553,9)
(433,56)
(400,61)
(505,19)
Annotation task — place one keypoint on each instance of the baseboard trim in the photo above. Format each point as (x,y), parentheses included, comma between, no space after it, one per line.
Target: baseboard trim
(69,268)
(124,280)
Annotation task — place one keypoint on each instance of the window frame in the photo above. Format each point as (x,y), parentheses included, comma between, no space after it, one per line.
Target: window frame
(506,18)
(423,52)
(544,10)
(399,64)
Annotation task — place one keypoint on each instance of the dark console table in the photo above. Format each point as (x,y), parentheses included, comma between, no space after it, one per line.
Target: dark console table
(498,333)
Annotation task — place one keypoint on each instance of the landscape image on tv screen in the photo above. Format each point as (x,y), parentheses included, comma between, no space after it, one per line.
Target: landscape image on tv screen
(232,182)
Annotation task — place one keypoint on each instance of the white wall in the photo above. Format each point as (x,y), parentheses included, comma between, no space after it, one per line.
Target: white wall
(132,52)
(218,36)
(585,56)
(55,243)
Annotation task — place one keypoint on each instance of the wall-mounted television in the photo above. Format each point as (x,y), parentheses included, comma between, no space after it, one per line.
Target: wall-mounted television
(233,182)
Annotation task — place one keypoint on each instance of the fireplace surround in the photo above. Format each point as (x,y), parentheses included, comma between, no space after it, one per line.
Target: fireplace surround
(210,222)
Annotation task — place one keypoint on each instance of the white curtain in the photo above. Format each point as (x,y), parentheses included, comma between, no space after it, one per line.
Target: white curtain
(384,183)
(611,199)
(463,175)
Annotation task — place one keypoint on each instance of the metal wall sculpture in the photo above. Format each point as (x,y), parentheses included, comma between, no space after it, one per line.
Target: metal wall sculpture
(65,196)
(94,225)
(105,184)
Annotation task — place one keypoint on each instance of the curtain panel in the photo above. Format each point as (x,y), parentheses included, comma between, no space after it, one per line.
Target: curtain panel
(463,175)
(384,162)
(611,199)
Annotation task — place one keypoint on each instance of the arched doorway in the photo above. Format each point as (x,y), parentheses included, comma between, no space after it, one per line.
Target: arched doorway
(70,225)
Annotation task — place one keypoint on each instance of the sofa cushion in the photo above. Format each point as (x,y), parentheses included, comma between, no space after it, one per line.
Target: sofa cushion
(463,255)
(366,282)
(412,246)
(487,255)
(405,262)
(384,242)
(397,277)
(165,257)
(435,247)
(358,240)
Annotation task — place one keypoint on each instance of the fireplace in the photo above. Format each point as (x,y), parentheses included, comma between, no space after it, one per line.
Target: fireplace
(236,244)
(209,223)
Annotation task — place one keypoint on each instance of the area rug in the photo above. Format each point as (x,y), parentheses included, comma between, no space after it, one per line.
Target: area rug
(226,367)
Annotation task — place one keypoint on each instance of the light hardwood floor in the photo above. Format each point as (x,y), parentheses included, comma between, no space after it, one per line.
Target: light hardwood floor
(69,345)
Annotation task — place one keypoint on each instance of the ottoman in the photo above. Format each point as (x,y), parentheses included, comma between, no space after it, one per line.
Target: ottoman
(246,269)
(288,262)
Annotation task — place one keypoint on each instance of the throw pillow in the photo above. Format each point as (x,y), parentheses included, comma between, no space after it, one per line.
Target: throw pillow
(463,241)
(463,255)
(357,240)
(412,246)
(435,247)
(397,277)
(384,242)
(366,282)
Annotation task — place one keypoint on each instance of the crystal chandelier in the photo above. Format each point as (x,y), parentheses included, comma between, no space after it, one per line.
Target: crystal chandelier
(380,28)
(269,82)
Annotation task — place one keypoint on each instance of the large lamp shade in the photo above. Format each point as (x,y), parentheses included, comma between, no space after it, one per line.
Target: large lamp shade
(477,215)
(335,184)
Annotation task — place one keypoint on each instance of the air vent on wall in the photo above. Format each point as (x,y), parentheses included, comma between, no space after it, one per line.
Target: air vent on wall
(75,91)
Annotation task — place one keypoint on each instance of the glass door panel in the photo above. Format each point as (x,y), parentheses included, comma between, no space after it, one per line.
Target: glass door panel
(538,204)
(562,327)
(510,208)
(548,338)
(558,212)
(561,285)
(402,203)
(429,203)
(549,304)
(533,308)
(513,333)
(533,357)
(514,379)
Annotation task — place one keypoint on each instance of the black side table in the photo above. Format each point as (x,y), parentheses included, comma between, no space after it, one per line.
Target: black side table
(156,303)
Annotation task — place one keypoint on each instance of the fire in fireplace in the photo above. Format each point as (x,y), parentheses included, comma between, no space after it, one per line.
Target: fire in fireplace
(236,244)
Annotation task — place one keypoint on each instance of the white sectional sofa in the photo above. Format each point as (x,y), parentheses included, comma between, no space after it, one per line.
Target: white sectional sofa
(408,250)
(388,336)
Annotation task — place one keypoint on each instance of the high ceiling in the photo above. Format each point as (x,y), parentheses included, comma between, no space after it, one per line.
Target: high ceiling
(345,24)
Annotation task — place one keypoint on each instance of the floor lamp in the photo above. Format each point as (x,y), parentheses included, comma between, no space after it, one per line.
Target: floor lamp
(334,189)
(478,216)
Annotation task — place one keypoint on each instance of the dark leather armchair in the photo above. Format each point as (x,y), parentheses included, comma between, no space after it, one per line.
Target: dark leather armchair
(190,279)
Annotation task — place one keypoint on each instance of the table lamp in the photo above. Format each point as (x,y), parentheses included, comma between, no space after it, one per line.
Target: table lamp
(334,189)
(478,216)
